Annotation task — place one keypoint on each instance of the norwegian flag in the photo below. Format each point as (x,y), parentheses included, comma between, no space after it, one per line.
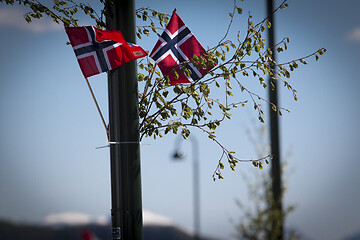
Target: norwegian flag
(177,45)
(101,50)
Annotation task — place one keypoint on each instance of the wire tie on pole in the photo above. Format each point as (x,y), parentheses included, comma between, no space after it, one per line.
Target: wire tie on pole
(118,143)
(124,143)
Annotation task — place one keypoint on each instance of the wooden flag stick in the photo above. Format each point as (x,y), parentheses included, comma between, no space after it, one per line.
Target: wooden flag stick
(98,108)
(152,74)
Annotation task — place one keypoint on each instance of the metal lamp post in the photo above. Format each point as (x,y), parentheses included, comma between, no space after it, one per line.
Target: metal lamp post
(178,154)
(277,225)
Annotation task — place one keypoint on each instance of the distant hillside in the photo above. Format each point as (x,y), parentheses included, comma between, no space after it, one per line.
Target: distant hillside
(10,231)
(355,236)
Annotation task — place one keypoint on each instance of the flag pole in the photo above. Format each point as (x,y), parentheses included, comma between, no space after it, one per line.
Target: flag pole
(277,222)
(98,108)
(126,202)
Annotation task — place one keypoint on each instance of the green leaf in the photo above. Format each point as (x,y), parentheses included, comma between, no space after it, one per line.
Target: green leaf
(146,31)
(165,93)
(239,10)
(177,89)
(260,165)
(66,22)
(295,65)
(28,18)
(187,72)
(268,24)
(221,165)
(303,61)
(141,77)
(34,7)
(287,73)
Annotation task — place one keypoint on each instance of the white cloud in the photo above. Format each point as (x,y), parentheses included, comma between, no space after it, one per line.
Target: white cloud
(150,218)
(14,18)
(77,218)
(354,35)
(74,218)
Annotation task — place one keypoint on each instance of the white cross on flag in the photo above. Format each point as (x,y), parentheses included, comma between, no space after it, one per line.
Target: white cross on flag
(175,46)
(101,50)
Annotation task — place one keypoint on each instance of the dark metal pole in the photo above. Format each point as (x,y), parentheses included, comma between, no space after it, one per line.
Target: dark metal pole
(277,226)
(196,178)
(196,181)
(126,212)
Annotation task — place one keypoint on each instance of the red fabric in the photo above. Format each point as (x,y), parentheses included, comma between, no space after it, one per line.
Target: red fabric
(104,35)
(175,23)
(86,235)
(101,50)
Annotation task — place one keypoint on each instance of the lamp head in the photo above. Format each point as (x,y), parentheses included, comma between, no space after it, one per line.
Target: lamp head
(178,155)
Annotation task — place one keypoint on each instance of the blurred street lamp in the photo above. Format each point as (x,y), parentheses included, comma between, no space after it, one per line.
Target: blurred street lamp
(178,155)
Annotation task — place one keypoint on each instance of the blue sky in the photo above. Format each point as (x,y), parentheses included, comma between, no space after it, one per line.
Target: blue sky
(50,128)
